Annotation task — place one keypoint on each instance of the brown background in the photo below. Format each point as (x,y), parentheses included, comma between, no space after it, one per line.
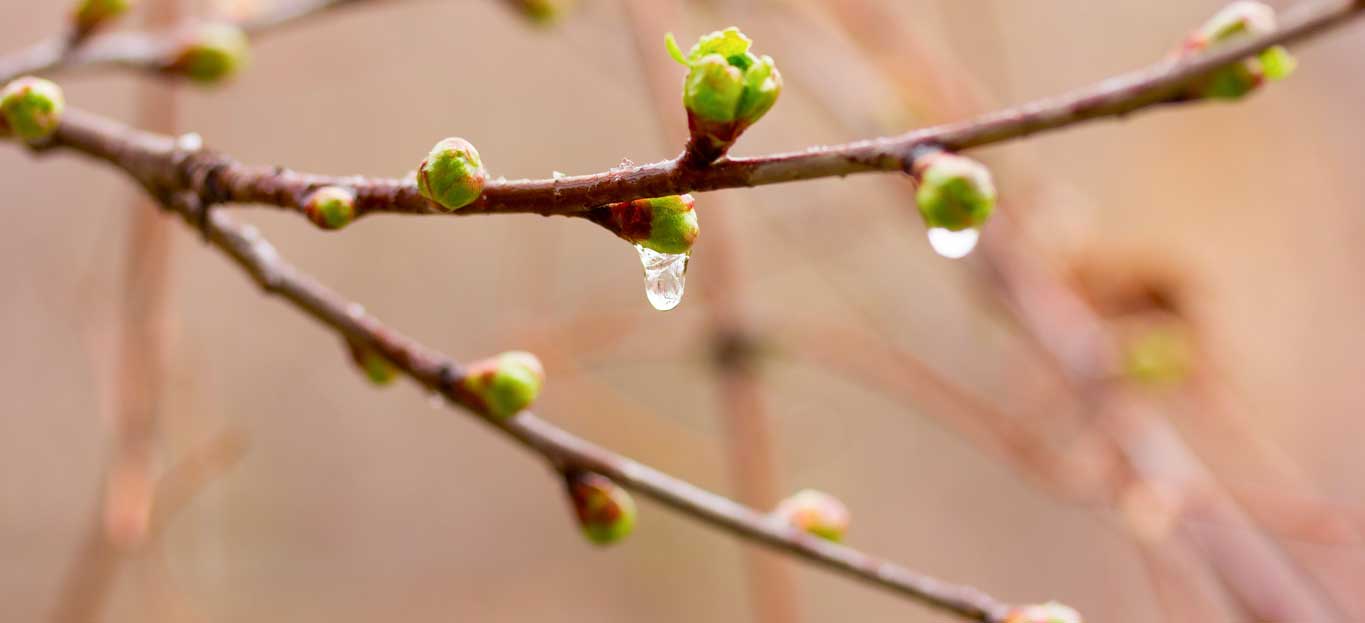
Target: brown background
(362,505)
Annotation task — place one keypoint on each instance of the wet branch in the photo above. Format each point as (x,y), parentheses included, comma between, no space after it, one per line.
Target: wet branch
(439,373)
(217,178)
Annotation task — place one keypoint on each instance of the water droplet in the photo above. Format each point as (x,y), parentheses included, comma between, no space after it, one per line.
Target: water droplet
(557,175)
(665,277)
(355,311)
(953,244)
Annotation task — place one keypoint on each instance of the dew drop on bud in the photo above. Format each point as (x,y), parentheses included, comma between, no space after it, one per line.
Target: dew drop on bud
(953,244)
(665,277)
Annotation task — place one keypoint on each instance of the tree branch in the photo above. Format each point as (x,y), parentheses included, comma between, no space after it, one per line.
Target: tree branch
(439,373)
(216,178)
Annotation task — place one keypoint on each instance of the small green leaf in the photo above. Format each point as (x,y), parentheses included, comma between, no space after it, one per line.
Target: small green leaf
(727,43)
(675,51)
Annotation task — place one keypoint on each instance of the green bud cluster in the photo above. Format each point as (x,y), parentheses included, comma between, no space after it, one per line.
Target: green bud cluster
(331,207)
(955,193)
(506,384)
(815,512)
(605,510)
(91,14)
(727,88)
(376,367)
(31,108)
(1236,21)
(1050,612)
(663,224)
(452,175)
(211,52)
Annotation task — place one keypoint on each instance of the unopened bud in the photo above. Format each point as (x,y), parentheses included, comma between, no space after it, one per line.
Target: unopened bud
(663,224)
(504,385)
(815,512)
(32,108)
(955,193)
(452,175)
(331,207)
(604,509)
(1241,19)
(379,370)
(211,52)
(92,14)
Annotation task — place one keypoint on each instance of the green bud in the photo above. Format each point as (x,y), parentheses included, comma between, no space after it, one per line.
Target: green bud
(604,509)
(91,14)
(663,224)
(506,384)
(955,193)
(378,369)
(212,52)
(1237,21)
(1158,356)
(815,512)
(331,207)
(32,108)
(1050,612)
(727,88)
(543,12)
(452,175)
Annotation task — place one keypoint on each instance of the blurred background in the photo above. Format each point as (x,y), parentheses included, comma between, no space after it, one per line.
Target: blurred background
(1141,397)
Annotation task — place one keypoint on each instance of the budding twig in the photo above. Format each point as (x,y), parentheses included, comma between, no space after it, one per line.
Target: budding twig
(439,373)
(218,178)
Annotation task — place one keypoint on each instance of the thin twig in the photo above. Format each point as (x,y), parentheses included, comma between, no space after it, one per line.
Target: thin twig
(150,50)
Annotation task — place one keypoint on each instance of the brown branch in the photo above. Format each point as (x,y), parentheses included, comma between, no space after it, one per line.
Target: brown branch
(150,51)
(219,179)
(441,374)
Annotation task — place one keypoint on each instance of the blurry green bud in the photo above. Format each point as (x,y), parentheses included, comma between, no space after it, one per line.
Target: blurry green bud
(212,52)
(379,370)
(1236,21)
(727,88)
(91,14)
(815,512)
(32,108)
(331,207)
(663,224)
(452,175)
(604,509)
(955,193)
(1160,355)
(1050,612)
(543,12)
(505,384)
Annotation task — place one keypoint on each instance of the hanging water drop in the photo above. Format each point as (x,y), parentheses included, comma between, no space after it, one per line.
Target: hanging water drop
(953,244)
(665,277)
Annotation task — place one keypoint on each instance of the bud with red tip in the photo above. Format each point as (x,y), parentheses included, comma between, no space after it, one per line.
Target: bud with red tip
(1237,21)
(604,509)
(504,385)
(663,224)
(331,207)
(379,370)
